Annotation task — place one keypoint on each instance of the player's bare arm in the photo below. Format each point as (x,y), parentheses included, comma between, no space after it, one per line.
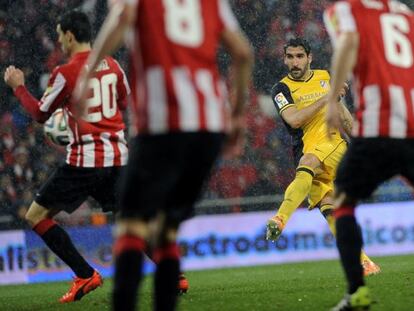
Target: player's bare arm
(297,118)
(242,61)
(111,35)
(347,119)
(343,61)
(241,54)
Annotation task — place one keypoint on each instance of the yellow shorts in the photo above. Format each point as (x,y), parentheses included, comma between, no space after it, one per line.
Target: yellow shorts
(329,154)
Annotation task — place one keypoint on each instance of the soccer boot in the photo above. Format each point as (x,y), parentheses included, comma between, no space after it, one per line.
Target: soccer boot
(358,301)
(182,284)
(274,228)
(81,287)
(370,268)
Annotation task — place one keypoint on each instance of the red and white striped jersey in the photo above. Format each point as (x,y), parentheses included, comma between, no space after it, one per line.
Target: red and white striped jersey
(175,81)
(384,71)
(97,140)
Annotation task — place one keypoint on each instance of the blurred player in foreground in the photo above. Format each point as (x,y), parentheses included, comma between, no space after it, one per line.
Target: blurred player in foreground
(300,98)
(96,151)
(373,41)
(182,116)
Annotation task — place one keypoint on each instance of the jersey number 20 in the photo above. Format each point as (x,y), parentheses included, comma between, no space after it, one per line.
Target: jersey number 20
(104,96)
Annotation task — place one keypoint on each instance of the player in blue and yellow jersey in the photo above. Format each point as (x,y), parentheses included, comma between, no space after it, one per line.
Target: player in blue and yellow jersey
(300,99)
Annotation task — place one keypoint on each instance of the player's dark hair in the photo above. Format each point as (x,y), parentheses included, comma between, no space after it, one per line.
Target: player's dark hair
(298,42)
(77,23)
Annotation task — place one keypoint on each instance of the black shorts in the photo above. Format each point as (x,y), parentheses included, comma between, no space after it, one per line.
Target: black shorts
(368,162)
(166,174)
(69,186)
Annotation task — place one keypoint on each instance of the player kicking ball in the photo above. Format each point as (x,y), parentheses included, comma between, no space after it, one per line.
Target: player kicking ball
(300,98)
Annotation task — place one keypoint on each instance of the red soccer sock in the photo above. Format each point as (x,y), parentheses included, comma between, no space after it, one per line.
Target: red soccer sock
(169,251)
(129,242)
(43,226)
(344,210)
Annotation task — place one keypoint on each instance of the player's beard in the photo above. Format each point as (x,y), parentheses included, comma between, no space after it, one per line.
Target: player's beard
(298,73)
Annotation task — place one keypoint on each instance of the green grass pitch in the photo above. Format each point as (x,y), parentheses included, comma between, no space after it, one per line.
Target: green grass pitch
(303,286)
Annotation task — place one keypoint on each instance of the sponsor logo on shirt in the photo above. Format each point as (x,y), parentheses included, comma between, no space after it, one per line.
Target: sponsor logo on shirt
(281,100)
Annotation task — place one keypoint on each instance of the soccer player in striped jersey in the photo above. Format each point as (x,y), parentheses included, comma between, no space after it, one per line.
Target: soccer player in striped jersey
(373,41)
(95,154)
(182,117)
(300,99)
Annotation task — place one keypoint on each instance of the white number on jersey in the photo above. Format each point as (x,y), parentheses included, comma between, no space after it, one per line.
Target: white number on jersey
(184,22)
(104,96)
(398,49)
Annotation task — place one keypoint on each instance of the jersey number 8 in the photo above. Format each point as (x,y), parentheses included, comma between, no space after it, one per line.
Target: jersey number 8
(183,22)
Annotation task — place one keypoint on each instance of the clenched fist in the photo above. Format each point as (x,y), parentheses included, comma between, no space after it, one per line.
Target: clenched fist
(14,77)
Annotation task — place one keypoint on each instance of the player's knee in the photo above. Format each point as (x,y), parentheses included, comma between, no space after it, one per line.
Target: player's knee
(309,160)
(171,235)
(138,228)
(341,199)
(35,214)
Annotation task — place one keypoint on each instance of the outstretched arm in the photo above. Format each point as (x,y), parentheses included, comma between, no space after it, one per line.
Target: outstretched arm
(14,78)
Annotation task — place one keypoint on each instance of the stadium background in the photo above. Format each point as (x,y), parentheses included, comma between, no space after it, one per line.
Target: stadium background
(251,183)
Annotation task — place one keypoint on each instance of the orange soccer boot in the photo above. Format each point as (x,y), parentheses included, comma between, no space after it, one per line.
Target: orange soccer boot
(370,268)
(80,287)
(182,284)
(274,228)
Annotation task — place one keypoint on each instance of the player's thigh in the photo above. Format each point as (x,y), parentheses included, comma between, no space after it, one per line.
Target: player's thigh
(195,170)
(332,160)
(366,164)
(106,190)
(154,168)
(65,189)
(329,155)
(323,182)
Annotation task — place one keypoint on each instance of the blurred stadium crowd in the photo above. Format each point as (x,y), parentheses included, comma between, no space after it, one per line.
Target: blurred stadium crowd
(28,40)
